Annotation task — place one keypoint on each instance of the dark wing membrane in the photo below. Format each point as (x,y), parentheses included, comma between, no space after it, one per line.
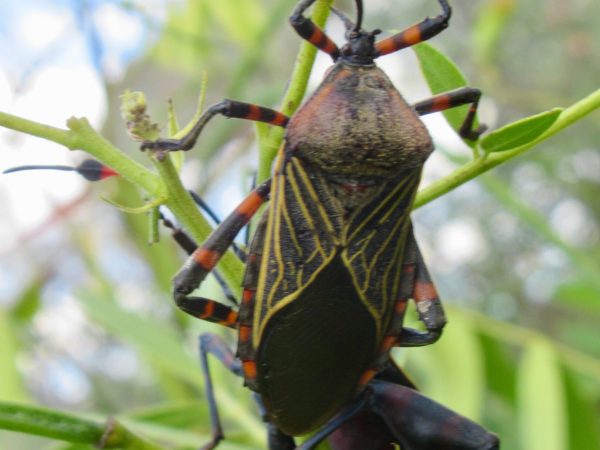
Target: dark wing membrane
(300,239)
(375,244)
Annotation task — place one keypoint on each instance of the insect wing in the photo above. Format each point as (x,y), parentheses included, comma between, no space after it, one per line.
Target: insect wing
(377,236)
(300,240)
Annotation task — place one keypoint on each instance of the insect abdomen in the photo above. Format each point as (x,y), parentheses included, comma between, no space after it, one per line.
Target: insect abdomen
(314,351)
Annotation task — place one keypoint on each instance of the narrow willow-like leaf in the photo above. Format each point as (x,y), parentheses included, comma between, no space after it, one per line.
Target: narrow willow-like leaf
(542,416)
(459,357)
(159,344)
(49,423)
(580,294)
(488,27)
(584,431)
(443,75)
(520,132)
(11,384)
(153,339)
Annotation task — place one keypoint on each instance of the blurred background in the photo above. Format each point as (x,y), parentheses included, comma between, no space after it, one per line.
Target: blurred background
(87,324)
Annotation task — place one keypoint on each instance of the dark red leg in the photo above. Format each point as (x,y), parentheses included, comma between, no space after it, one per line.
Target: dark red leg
(419,423)
(395,413)
(366,430)
(417,33)
(310,32)
(227,108)
(334,424)
(458,97)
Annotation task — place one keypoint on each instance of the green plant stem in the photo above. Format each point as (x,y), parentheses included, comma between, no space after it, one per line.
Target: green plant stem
(270,138)
(81,136)
(58,425)
(183,207)
(486,162)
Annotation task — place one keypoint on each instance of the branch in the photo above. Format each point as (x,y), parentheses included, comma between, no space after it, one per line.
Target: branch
(486,162)
(270,137)
(58,425)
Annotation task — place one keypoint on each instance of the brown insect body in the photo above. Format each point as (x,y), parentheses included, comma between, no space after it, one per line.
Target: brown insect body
(346,177)
(334,260)
(358,125)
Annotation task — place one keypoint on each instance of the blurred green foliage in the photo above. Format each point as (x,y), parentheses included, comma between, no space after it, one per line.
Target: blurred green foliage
(521,353)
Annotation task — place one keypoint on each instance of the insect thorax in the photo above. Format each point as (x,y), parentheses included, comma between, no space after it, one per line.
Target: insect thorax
(358,126)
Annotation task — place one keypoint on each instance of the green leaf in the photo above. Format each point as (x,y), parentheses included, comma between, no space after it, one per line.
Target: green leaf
(500,369)
(160,345)
(49,423)
(11,384)
(28,302)
(58,425)
(491,20)
(240,19)
(580,294)
(458,356)
(583,418)
(442,75)
(542,415)
(153,339)
(520,132)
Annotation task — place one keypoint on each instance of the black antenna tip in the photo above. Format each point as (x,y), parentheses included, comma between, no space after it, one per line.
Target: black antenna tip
(359,15)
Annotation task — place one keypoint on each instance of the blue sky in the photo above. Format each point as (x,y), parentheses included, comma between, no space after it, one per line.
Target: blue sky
(54,56)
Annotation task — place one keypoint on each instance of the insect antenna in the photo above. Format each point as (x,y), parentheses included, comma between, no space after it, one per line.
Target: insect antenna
(90,169)
(344,18)
(359,15)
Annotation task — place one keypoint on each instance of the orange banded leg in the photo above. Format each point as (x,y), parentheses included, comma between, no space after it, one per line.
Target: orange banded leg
(417,33)
(310,32)
(205,258)
(427,302)
(245,350)
(452,99)
(186,242)
(227,108)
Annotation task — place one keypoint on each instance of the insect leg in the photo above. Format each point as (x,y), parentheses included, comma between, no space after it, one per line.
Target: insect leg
(347,414)
(240,253)
(206,257)
(427,301)
(367,429)
(210,343)
(310,32)
(227,108)
(186,242)
(276,439)
(418,32)
(458,97)
(419,423)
